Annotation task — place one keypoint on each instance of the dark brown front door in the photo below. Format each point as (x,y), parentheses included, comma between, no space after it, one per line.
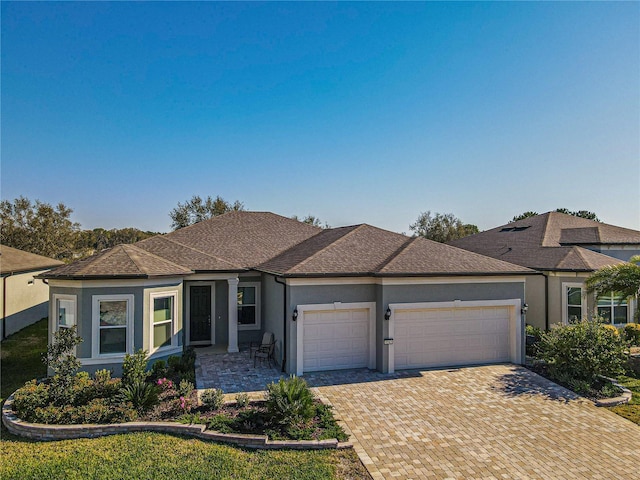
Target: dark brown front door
(200,314)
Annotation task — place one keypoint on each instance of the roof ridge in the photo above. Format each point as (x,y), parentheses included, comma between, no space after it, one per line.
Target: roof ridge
(126,251)
(398,251)
(546,228)
(314,254)
(146,252)
(198,250)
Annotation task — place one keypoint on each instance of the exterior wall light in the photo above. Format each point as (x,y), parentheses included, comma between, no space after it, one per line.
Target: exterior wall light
(524,309)
(387,314)
(294,317)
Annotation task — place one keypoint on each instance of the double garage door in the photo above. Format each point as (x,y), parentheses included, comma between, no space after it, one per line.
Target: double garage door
(451,336)
(336,339)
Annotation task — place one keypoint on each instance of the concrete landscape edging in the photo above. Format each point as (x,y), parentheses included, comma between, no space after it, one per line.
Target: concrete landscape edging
(619,400)
(45,432)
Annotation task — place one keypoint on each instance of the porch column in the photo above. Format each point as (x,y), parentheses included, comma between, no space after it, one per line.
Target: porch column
(233,315)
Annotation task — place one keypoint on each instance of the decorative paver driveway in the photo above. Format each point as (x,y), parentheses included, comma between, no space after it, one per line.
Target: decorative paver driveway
(491,422)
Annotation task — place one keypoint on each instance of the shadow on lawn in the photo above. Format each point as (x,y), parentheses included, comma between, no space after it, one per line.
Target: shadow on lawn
(522,381)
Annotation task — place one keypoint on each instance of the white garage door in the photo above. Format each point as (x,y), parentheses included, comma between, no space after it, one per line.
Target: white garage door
(335,339)
(451,336)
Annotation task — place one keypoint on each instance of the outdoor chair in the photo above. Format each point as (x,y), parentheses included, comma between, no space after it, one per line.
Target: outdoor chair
(267,339)
(264,352)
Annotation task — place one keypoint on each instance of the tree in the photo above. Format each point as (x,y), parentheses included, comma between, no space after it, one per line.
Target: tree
(38,228)
(91,241)
(623,279)
(524,215)
(311,220)
(580,213)
(441,227)
(195,210)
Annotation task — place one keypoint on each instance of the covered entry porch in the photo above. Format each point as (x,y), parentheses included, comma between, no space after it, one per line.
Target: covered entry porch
(222,310)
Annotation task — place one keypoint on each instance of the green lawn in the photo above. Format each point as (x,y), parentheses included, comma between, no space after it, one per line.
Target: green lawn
(632,382)
(144,455)
(21,357)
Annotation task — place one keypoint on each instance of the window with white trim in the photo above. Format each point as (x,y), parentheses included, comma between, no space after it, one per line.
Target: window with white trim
(614,309)
(65,311)
(164,315)
(574,306)
(112,325)
(249,306)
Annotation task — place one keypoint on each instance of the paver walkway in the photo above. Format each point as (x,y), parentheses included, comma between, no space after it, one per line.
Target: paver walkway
(233,372)
(491,422)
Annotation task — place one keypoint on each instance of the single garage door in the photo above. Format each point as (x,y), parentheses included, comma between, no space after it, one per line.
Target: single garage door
(335,339)
(439,337)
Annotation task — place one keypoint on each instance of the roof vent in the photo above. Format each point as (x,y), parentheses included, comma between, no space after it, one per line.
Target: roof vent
(514,229)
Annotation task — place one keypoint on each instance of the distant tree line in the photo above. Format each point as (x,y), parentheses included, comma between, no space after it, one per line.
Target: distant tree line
(43,229)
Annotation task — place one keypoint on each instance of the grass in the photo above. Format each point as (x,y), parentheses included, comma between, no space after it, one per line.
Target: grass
(631,411)
(157,456)
(21,357)
(144,455)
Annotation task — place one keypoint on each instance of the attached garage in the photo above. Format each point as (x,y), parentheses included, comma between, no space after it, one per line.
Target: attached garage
(455,333)
(335,336)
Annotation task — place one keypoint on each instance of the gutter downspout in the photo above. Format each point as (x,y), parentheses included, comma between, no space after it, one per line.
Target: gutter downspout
(284,323)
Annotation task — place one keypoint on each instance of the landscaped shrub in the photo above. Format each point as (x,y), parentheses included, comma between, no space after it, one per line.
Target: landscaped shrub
(632,334)
(185,388)
(61,359)
(582,351)
(134,368)
(182,368)
(290,401)
(533,335)
(30,397)
(212,398)
(159,369)
(242,399)
(141,394)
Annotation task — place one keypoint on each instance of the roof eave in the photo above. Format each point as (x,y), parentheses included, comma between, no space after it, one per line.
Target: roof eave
(404,274)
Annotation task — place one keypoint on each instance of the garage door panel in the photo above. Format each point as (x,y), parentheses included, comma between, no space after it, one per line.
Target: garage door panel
(336,339)
(451,337)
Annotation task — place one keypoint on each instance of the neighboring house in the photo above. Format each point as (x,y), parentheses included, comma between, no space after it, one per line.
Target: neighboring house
(24,298)
(347,297)
(566,250)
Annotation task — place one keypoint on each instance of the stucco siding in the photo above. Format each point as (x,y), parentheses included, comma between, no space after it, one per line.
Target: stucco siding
(272,312)
(535,297)
(24,302)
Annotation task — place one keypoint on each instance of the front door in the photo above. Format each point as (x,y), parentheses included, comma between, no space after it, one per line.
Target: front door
(200,314)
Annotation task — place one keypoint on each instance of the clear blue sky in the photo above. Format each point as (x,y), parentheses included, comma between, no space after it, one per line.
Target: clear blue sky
(353,112)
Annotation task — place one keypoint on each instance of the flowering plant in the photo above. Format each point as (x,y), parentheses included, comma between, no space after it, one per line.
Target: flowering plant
(165,383)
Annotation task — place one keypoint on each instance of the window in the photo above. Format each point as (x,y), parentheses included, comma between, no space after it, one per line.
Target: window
(573,302)
(112,325)
(163,319)
(613,309)
(248,306)
(65,311)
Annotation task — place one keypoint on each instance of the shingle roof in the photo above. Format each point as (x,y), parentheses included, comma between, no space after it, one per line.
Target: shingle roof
(367,250)
(550,242)
(13,260)
(122,261)
(423,256)
(567,229)
(242,238)
(240,241)
(184,255)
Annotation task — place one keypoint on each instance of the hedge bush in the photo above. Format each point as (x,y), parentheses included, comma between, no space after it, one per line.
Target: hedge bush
(582,351)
